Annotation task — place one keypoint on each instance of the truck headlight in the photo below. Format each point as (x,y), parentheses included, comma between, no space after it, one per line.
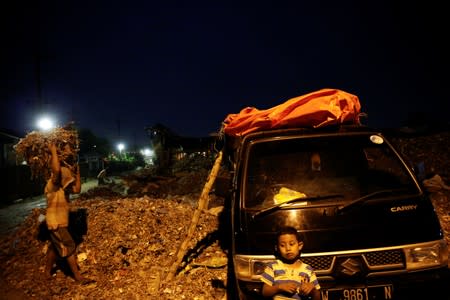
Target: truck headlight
(427,255)
(250,268)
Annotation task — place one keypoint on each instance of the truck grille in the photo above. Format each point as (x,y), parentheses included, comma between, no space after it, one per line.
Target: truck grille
(384,258)
(374,260)
(319,263)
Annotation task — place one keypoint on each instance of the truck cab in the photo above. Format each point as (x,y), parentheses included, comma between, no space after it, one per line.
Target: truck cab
(369,229)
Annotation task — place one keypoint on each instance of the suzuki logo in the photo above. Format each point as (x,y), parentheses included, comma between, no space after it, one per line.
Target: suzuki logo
(350,267)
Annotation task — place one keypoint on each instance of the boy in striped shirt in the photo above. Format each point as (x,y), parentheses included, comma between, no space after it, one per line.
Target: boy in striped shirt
(288,277)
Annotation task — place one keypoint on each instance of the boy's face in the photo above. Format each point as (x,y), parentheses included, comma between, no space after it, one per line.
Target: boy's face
(288,246)
(66,150)
(68,153)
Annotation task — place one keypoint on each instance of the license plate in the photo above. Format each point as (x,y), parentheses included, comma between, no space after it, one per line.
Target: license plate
(384,292)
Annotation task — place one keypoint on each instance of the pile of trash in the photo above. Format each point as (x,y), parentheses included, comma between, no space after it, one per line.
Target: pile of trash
(186,179)
(128,233)
(128,247)
(428,153)
(34,149)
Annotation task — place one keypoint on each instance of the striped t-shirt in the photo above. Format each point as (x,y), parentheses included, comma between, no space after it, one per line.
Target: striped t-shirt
(277,272)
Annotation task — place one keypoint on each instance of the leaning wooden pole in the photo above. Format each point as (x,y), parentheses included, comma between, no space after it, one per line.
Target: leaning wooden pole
(202,204)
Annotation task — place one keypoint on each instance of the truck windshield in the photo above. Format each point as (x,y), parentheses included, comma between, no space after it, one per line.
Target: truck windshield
(313,167)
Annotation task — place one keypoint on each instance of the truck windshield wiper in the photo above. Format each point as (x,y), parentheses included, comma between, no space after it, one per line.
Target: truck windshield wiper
(365,198)
(299,199)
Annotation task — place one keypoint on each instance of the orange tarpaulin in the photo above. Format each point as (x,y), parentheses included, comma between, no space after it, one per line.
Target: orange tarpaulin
(317,109)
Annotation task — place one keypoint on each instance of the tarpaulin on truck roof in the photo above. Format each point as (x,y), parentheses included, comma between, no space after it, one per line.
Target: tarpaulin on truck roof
(317,109)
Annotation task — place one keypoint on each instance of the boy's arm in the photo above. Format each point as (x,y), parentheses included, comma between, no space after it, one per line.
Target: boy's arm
(315,294)
(55,165)
(77,184)
(268,291)
(289,287)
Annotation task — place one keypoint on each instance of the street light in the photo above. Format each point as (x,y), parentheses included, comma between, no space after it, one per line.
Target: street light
(147,152)
(120,146)
(45,123)
(148,155)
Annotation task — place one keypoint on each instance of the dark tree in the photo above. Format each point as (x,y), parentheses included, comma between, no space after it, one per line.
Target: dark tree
(90,142)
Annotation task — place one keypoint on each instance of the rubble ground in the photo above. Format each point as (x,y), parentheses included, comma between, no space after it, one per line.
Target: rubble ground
(129,232)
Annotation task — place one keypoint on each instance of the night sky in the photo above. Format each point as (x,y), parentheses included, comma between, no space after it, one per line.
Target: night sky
(116,67)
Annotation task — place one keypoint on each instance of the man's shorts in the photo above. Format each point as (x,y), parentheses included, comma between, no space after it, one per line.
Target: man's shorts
(62,241)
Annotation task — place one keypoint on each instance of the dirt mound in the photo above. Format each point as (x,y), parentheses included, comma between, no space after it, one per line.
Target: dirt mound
(129,246)
(427,153)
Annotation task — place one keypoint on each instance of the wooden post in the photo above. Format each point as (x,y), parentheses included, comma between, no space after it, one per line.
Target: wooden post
(202,204)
